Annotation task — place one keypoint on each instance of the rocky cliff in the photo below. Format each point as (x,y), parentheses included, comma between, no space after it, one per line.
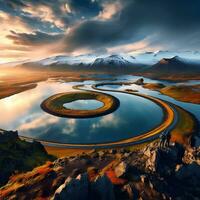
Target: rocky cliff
(151,172)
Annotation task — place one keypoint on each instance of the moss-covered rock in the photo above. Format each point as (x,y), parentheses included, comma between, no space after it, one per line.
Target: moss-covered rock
(18,155)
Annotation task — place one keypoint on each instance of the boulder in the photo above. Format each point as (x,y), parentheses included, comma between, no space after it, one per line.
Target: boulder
(140,81)
(81,188)
(102,189)
(189,176)
(147,152)
(73,189)
(164,161)
(101,153)
(121,169)
(92,173)
(60,162)
(112,151)
(143,178)
(192,155)
(129,191)
(189,173)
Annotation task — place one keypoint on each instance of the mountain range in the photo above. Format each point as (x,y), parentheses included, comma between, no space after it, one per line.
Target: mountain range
(161,63)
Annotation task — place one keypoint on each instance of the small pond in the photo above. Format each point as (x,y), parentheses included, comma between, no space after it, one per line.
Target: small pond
(84,105)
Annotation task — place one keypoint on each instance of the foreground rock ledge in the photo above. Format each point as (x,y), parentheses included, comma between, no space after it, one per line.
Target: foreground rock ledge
(152,172)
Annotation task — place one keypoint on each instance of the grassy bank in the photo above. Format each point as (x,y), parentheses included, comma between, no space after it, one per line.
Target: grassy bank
(185,93)
(185,128)
(54,104)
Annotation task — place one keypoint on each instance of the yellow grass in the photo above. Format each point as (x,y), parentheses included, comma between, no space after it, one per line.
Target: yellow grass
(183,93)
(54,104)
(62,152)
(184,129)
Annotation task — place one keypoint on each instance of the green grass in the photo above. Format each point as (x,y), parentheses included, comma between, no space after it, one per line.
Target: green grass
(20,156)
(54,104)
(185,127)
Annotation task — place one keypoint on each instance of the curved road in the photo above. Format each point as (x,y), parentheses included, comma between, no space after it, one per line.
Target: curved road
(168,124)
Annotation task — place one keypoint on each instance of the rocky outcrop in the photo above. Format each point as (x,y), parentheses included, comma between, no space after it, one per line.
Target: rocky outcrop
(140,81)
(121,169)
(163,161)
(120,174)
(192,155)
(82,188)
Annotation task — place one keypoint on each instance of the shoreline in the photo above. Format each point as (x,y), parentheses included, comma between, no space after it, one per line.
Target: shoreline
(167,121)
(86,148)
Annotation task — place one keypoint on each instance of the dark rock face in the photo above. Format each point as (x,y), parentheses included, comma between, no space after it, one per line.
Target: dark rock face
(82,188)
(74,189)
(163,173)
(189,173)
(178,168)
(164,161)
(121,169)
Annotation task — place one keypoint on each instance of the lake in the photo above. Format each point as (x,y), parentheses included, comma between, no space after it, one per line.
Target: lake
(22,112)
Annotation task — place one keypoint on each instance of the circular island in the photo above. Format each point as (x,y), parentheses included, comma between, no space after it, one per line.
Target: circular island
(57,104)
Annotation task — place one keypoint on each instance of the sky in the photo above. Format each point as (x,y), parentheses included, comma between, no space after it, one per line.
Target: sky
(35,29)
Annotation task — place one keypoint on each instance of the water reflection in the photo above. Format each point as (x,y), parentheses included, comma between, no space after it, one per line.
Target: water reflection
(193,108)
(84,105)
(22,112)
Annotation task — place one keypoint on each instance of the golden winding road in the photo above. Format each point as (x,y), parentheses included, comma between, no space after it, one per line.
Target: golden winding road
(169,118)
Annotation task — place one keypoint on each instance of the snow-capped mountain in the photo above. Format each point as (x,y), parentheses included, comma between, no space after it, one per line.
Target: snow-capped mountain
(69,60)
(175,65)
(112,60)
(154,57)
(129,60)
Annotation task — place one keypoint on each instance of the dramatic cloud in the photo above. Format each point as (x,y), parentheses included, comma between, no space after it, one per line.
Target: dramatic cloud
(34,39)
(109,10)
(168,22)
(100,25)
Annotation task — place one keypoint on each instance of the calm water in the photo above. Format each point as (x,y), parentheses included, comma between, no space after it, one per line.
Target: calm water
(84,104)
(22,112)
(193,108)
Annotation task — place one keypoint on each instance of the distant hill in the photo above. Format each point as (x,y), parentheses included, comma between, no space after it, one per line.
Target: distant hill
(175,65)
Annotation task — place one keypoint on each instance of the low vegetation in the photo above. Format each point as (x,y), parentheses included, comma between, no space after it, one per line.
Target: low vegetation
(185,128)
(18,156)
(6,91)
(54,104)
(61,152)
(185,93)
(154,86)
